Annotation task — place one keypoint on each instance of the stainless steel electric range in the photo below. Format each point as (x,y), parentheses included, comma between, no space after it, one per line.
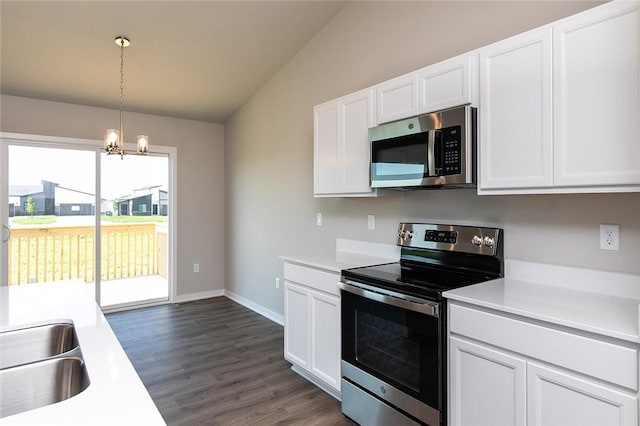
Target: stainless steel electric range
(394,346)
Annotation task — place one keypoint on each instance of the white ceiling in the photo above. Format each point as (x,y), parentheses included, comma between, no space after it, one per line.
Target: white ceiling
(199,60)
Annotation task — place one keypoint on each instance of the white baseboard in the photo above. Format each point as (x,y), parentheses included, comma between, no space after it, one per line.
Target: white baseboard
(197,296)
(267,313)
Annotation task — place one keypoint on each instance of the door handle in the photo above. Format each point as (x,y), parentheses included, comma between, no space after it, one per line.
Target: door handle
(7,233)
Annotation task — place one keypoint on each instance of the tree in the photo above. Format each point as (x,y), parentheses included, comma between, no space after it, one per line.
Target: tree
(31,206)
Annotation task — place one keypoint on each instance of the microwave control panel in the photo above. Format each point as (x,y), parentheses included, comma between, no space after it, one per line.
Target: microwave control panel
(451,150)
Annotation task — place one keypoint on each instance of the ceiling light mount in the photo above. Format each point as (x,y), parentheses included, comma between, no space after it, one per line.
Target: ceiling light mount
(114,139)
(122,41)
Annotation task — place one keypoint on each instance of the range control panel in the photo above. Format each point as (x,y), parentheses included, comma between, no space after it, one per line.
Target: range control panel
(459,238)
(449,237)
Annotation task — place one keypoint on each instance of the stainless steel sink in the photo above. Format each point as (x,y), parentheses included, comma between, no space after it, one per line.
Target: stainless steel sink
(39,365)
(30,344)
(41,383)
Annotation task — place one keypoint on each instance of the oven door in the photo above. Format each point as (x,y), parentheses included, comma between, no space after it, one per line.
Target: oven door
(393,348)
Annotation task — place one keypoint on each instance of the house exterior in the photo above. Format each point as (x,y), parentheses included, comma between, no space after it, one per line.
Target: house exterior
(147,201)
(43,196)
(52,199)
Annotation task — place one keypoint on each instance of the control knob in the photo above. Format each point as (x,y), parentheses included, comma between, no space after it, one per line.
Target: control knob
(476,240)
(405,235)
(488,241)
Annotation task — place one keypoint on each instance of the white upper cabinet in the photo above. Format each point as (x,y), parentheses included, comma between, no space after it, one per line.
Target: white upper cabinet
(597,96)
(356,112)
(326,178)
(515,112)
(560,106)
(341,146)
(397,98)
(448,84)
(558,110)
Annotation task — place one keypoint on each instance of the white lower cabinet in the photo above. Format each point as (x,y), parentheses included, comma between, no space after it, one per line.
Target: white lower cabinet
(296,324)
(487,386)
(512,371)
(325,337)
(555,397)
(312,324)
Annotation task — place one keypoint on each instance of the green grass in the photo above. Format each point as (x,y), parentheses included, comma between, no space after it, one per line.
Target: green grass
(34,220)
(137,219)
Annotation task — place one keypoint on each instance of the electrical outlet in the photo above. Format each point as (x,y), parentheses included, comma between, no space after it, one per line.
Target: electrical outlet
(277,282)
(196,268)
(371,222)
(319,219)
(609,237)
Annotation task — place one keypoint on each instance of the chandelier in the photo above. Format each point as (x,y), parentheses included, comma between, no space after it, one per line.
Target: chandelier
(114,139)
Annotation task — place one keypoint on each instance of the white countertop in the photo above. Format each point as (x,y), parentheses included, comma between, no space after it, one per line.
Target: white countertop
(348,254)
(336,261)
(595,301)
(116,394)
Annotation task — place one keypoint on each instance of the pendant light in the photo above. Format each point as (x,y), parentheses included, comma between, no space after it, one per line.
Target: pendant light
(114,139)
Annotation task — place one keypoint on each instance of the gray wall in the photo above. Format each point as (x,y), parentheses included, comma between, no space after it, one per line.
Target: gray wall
(200,177)
(269,161)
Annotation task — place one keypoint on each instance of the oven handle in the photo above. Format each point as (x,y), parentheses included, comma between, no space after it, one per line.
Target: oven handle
(395,299)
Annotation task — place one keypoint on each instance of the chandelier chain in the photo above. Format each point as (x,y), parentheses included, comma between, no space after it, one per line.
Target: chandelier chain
(114,139)
(122,77)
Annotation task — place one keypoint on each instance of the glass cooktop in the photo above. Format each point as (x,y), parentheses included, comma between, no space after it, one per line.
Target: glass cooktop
(418,280)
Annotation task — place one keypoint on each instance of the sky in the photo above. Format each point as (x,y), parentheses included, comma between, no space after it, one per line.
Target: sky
(75,169)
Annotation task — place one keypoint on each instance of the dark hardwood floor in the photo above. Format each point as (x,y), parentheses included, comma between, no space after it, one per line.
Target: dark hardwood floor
(216,362)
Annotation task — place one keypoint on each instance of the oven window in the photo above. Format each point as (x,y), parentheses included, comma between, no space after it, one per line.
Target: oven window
(400,347)
(389,348)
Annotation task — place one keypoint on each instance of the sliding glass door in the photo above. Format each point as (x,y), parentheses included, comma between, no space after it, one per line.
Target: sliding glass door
(71,213)
(133,224)
(51,214)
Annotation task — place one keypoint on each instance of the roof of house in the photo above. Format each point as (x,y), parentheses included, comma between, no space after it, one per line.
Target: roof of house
(22,190)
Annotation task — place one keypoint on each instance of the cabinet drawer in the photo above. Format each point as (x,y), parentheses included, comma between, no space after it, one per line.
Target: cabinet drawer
(314,278)
(607,361)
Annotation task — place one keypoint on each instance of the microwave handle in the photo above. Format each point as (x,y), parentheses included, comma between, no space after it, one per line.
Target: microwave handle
(434,162)
(431,153)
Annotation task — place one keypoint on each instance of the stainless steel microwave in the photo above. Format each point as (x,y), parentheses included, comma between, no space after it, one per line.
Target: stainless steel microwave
(430,150)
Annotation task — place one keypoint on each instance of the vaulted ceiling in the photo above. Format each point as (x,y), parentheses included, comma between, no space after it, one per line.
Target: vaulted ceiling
(198,60)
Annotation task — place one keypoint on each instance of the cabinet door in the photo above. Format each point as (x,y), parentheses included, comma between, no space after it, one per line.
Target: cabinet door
(397,98)
(326,176)
(515,144)
(356,112)
(557,398)
(325,338)
(296,324)
(486,386)
(597,96)
(448,84)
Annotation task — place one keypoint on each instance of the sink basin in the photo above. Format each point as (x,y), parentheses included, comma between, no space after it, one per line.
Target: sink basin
(42,383)
(30,344)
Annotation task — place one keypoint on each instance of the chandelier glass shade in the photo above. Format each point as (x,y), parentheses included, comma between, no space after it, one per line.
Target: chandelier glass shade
(114,138)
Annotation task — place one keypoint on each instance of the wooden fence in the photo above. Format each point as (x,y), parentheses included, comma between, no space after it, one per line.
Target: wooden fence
(64,253)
